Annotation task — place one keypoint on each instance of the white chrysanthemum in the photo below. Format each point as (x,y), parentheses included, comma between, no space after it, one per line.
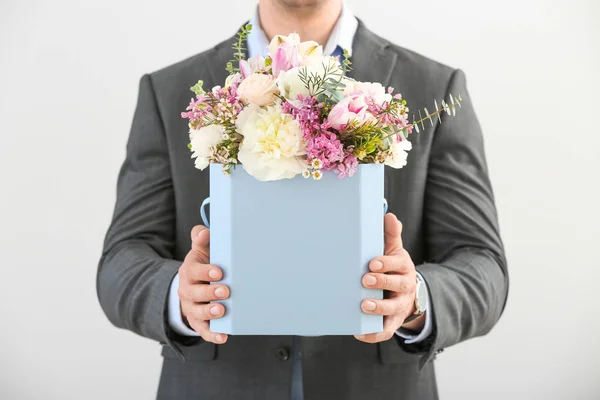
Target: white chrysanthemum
(349,84)
(397,154)
(273,146)
(203,142)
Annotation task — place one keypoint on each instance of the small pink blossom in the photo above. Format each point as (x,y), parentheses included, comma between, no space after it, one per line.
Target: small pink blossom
(348,165)
(220,105)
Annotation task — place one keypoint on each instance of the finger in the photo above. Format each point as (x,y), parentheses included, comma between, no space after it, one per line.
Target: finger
(375,337)
(195,272)
(203,293)
(392,306)
(201,244)
(399,263)
(392,282)
(393,234)
(196,230)
(390,326)
(203,329)
(205,312)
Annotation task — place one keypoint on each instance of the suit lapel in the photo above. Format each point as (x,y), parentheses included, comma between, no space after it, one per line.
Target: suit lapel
(223,53)
(371,61)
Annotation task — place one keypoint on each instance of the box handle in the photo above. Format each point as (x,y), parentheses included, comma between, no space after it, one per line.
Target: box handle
(207,201)
(203,212)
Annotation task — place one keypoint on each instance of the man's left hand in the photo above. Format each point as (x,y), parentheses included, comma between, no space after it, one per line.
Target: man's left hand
(394,273)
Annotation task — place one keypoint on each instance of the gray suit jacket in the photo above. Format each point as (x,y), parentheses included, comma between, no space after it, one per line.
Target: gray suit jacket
(443,198)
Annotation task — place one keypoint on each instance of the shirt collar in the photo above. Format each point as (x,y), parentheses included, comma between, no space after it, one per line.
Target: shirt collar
(342,35)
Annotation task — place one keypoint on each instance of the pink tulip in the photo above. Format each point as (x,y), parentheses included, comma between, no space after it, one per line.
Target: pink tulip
(280,61)
(245,69)
(352,108)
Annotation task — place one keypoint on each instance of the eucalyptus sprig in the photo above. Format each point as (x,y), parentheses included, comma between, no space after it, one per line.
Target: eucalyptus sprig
(346,64)
(239,51)
(450,109)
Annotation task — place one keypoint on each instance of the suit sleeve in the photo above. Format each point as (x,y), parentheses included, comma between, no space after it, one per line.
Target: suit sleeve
(466,272)
(137,265)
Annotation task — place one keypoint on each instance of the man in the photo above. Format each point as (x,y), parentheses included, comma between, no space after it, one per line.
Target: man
(153,278)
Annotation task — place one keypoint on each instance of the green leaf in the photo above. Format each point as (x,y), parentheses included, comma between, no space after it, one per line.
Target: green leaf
(197,88)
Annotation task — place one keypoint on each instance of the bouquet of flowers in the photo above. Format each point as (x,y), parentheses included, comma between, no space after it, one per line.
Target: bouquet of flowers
(296,112)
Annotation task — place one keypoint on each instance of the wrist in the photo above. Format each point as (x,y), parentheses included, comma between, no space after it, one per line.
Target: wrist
(417,324)
(415,321)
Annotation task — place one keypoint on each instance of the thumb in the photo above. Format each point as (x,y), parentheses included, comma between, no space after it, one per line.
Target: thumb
(201,244)
(393,234)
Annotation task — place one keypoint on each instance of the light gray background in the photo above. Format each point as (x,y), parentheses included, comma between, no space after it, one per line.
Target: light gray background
(69,72)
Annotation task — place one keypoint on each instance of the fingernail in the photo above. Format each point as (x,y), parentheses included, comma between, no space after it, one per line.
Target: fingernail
(213,273)
(376,265)
(370,280)
(215,310)
(369,305)
(220,291)
(219,338)
(360,336)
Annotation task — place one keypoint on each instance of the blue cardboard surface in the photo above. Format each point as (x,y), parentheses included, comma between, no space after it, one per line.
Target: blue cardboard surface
(294,251)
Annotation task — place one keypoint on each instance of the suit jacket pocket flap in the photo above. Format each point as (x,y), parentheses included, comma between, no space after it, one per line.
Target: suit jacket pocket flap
(198,352)
(390,352)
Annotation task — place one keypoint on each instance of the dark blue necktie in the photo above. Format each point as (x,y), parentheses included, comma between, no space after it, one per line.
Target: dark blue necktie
(339,52)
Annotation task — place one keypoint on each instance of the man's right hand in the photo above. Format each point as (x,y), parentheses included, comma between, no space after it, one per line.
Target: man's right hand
(196,292)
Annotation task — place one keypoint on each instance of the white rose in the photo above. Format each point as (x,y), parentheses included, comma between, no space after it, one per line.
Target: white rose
(398,154)
(203,142)
(259,89)
(273,146)
(290,85)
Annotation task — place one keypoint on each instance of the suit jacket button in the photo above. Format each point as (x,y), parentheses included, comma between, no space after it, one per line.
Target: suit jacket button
(282,353)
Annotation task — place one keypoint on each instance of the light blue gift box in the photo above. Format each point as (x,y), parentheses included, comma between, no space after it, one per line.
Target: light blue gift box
(294,251)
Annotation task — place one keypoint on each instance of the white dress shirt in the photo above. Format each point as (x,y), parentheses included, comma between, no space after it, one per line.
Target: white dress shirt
(342,36)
